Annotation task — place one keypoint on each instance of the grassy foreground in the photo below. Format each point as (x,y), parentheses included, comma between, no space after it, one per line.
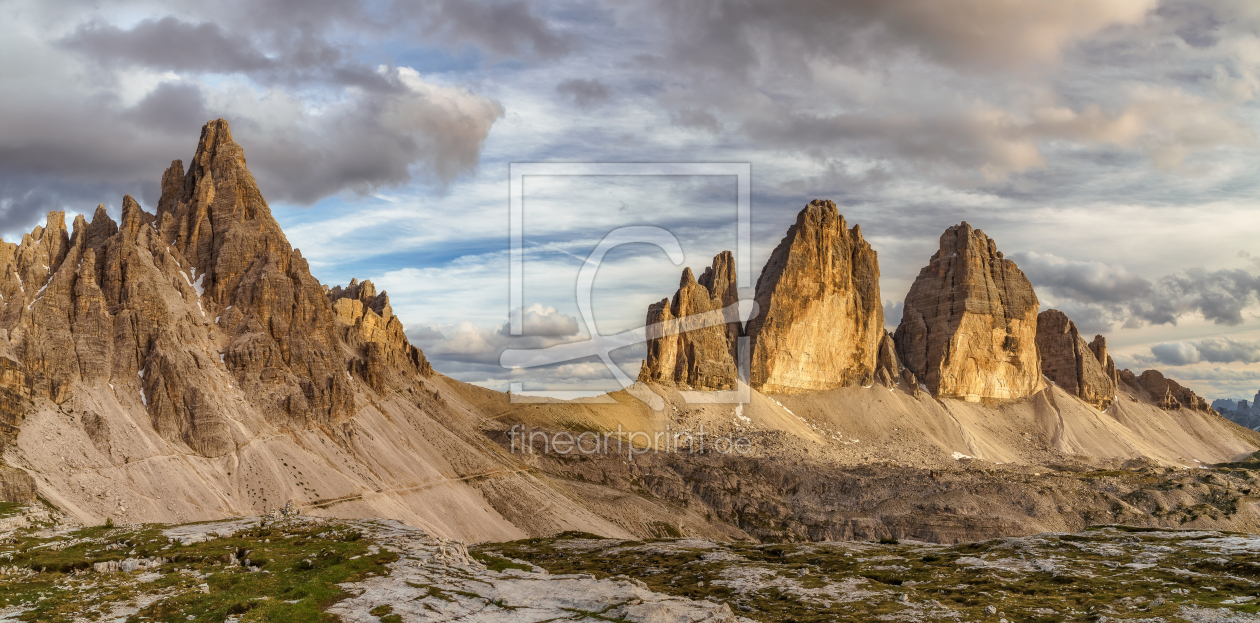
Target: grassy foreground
(292,573)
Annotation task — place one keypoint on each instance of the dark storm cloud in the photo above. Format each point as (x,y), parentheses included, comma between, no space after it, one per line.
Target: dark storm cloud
(171,107)
(168,43)
(584,93)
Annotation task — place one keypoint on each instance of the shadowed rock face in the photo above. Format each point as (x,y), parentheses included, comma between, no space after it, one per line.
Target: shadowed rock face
(194,309)
(1071,363)
(969,327)
(688,349)
(820,321)
(1169,394)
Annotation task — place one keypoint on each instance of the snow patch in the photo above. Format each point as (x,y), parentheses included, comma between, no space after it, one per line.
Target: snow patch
(144,399)
(958,456)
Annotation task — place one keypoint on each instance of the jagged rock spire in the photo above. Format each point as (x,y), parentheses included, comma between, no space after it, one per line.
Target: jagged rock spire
(684,352)
(194,311)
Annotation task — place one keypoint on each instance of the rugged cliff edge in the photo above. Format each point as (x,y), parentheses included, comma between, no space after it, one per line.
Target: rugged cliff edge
(969,326)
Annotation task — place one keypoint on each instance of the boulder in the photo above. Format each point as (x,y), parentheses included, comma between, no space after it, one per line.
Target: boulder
(969,325)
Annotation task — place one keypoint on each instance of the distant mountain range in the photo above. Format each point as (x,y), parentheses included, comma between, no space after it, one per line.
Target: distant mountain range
(1240,412)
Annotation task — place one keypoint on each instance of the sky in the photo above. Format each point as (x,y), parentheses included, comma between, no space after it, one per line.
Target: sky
(1107,146)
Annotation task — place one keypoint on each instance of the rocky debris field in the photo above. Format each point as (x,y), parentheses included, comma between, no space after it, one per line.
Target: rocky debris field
(1112,573)
(299,569)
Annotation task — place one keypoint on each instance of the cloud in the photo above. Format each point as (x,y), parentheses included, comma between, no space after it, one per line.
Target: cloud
(367,141)
(503,28)
(1176,353)
(174,107)
(1111,293)
(1090,281)
(734,37)
(892,313)
(466,342)
(537,320)
(584,93)
(1213,350)
(168,43)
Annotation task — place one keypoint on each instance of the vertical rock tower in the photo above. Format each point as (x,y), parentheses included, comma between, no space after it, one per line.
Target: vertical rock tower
(820,319)
(969,328)
(1073,365)
(686,350)
(820,323)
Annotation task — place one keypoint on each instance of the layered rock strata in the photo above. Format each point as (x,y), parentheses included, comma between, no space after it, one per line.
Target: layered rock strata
(1071,363)
(820,321)
(694,336)
(969,325)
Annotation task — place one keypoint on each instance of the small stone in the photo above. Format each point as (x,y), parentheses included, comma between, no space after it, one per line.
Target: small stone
(990,609)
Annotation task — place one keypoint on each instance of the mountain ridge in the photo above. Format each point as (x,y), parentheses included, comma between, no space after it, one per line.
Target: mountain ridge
(185,365)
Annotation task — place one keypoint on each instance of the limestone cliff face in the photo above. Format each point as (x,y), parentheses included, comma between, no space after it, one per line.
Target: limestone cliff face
(1071,363)
(969,325)
(1170,394)
(687,350)
(820,321)
(193,309)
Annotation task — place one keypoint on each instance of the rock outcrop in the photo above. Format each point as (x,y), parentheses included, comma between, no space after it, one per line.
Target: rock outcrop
(1099,348)
(1170,394)
(969,325)
(820,321)
(190,309)
(693,337)
(367,323)
(1072,364)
